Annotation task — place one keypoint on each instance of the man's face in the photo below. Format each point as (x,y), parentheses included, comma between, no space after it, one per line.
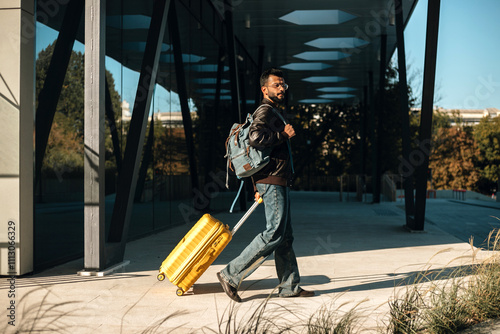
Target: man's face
(275,89)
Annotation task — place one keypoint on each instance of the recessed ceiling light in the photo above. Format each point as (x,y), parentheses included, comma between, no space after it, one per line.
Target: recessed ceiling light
(306,66)
(336,96)
(186,58)
(336,89)
(324,79)
(316,17)
(141,46)
(315,101)
(322,55)
(337,43)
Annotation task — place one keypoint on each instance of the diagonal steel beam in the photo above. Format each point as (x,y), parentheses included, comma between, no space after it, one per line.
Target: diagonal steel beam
(180,75)
(51,91)
(146,160)
(426,112)
(110,115)
(127,179)
(405,119)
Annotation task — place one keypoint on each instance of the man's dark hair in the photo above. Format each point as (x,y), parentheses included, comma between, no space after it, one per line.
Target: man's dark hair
(271,71)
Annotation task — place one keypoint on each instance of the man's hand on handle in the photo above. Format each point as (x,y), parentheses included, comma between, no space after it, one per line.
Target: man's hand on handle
(289,131)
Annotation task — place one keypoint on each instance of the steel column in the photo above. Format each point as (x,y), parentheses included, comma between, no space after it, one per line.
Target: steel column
(233,66)
(242,93)
(405,119)
(260,65)
(379,112)
(212,127)
(361,179)
(94,150)
(364,112)
(371,109)
(51,91)
(127,179)
(426,111)
(218,84)
(173,27)
(248,189)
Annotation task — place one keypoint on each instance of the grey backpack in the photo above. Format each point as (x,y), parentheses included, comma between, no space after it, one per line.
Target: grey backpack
(243,159)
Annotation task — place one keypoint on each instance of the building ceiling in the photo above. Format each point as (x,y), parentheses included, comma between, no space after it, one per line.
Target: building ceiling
(326,47)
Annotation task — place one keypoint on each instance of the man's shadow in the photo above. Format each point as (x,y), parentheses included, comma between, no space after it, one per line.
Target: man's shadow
(359,283)
(258,284)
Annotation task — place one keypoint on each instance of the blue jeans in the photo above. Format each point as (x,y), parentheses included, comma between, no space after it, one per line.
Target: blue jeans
(277,238)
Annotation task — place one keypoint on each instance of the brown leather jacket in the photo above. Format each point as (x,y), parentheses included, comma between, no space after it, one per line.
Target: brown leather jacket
(267,131)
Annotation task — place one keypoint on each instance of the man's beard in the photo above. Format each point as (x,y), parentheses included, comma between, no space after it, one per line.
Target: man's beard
(276,99)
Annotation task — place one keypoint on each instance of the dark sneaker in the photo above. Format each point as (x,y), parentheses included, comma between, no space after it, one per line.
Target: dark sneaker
(229,289)
(302,293)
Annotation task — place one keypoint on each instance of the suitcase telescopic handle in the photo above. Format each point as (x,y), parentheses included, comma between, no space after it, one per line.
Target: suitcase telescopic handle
(246,215)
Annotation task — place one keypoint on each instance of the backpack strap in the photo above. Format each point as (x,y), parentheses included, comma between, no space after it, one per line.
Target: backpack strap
(237,195)
(287,141)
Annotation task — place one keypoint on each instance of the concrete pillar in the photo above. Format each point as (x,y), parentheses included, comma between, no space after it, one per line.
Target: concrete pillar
(94,159)
(17,87)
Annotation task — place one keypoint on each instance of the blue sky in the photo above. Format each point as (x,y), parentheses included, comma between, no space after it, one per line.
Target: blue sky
(468,71)
(467,74)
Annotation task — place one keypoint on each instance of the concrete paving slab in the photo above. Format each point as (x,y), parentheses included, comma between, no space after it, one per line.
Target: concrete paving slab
(349,253)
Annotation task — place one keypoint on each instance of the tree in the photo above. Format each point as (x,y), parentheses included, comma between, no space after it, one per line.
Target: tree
(453,159)
(64,150)
(170,151)
(487,136)
(328,140)
(390,136)
(65,145)
(440,120)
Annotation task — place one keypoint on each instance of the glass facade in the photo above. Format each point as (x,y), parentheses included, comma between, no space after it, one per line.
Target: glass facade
(164,194)
(207,79)
(58,212)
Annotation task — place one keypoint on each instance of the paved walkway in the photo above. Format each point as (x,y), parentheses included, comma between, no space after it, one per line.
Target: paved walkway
(349,253)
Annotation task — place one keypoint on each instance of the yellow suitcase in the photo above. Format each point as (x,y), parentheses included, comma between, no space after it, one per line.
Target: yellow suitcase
(198,250)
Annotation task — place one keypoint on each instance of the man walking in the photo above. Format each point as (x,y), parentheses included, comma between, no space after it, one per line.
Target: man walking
(272,183)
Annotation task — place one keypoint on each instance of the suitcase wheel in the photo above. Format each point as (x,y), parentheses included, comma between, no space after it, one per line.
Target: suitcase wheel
(179,292)
(160,277)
